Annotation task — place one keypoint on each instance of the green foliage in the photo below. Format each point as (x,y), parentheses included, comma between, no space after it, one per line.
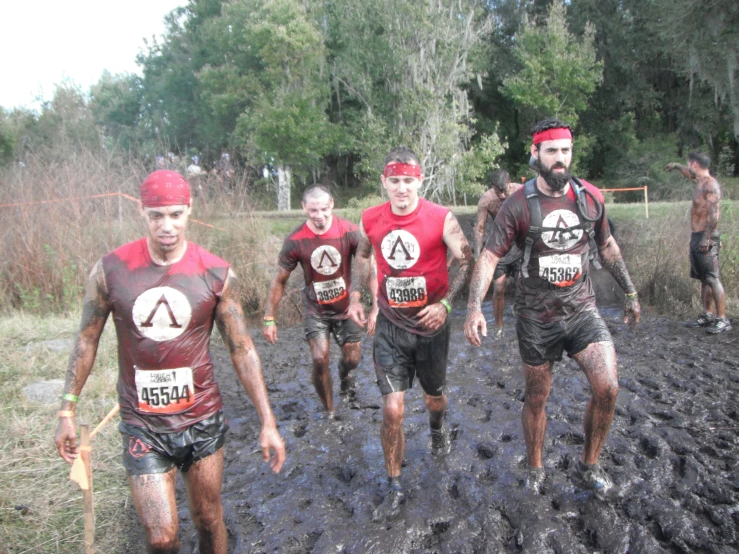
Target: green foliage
(478,162)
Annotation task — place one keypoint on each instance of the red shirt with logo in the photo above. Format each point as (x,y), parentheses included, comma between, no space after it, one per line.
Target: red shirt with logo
(559,258)
(326,263)
(163,317)
(411,260)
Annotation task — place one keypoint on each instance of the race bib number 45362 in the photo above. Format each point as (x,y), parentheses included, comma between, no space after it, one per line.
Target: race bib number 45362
(165,391)
(328,292)
(406,292)
(560,269)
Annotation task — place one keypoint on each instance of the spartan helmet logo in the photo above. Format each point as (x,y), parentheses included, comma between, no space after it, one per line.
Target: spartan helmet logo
(326,260)
(162,313)
(400,249)
(563,238)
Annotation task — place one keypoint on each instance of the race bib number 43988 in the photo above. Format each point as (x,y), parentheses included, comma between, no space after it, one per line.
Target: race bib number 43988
(165,391)
(406,292)
(328,292)
(560,269)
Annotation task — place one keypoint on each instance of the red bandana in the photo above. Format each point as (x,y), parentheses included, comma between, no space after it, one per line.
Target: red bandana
(395,169)
(552,134)
(165,188)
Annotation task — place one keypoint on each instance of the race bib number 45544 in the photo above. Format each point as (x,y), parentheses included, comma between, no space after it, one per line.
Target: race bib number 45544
(165,391)
(560,269)
(406,292)
(328,292)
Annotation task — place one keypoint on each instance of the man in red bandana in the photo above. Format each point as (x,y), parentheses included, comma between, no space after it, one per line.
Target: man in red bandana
(557,222)
(165,294)
(410,238)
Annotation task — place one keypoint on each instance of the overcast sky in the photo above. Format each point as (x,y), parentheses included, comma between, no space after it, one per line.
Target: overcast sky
(45,41)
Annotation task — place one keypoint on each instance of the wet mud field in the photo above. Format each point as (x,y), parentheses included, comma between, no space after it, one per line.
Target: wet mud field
(672,450)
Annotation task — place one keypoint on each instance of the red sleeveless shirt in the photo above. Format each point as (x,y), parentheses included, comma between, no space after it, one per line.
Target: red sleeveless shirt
(163,318)
(411,260)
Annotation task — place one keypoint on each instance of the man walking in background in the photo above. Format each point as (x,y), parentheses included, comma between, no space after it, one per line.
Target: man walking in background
(705,242)
(501,188)
(324,247)
(410,238)
(559,223)
(165,294)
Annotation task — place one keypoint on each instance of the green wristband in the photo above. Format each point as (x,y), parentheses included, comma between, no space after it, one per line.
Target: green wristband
(268,323)
(444,302)
(631,295)
(71,397)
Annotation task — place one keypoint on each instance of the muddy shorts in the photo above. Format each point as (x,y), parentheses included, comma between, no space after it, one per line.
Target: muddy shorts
(509,264)
(704,264)
(146,452)
(344,330)
(540,342)
(400,356)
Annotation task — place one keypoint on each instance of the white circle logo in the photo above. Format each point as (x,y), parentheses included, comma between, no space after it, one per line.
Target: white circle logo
(400,249)
(326,260)
(563,238)
(162,313)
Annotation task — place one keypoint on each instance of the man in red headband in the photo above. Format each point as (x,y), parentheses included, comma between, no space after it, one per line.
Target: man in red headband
(410,238)
(165,294)
(558,222)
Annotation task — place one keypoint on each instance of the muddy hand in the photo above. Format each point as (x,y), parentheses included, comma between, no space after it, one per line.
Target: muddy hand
(372,321)
(432,317)
(270,440)
(270,333)
(474,321)
(66,439)
(632,311)
(356,312)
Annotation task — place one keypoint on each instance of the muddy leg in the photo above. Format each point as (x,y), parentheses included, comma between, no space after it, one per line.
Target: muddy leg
(598,362)
(391,433)
(351,353)
(707,297)
(499,301)
(437,409)
(154,498)
(319,351)
(718,296)
(534,418)
(203,482)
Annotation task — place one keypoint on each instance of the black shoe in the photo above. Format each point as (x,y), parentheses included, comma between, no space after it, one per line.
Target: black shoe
(390,506)
(594,478)
(441,445)
(704,320)
(348,387)
(534,480)
(720,325)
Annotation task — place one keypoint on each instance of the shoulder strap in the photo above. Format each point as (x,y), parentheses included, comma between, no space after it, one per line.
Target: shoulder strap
(532,198)
(587,225)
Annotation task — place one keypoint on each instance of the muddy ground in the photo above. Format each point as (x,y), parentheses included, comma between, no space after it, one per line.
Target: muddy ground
(673,451)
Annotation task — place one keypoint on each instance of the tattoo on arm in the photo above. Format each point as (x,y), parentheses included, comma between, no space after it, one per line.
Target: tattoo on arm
(613,261)
(482,276)
(460,248)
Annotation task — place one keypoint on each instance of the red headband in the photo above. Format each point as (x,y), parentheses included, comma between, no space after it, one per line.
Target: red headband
(394,169)
(552,134)
(165,188)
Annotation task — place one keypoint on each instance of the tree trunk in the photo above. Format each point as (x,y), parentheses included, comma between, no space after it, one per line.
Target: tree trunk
(283,188)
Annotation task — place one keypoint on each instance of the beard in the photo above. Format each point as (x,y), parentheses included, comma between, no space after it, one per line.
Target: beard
(556,181)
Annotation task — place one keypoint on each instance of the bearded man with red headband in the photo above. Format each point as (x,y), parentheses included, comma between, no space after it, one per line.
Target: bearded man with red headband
(165,294)
(410,238)
(558,222)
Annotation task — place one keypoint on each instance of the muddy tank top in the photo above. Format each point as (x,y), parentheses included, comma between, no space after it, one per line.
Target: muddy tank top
(163,319)
(326,262)
(411,260)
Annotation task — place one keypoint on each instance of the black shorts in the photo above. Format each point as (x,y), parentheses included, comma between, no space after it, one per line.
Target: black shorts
(344,330)
(146,452)
(400,355)
(541,342)
(509,264)
(704,264)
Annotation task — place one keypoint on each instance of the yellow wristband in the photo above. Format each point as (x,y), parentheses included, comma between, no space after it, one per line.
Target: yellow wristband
(66,413)
(268,318)
(631,295)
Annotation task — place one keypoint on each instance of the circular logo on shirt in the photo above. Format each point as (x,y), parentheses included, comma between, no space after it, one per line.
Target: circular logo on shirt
(400,249)
(326,260)
(162,313)
(563,238)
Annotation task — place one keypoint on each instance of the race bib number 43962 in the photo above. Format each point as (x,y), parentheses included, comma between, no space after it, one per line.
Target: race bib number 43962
(165,391)
(406,292)
(560,269)
(328,292)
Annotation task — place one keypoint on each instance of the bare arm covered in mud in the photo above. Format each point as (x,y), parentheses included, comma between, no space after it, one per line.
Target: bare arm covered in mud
(482,276)
(232,325)
(613,261)
(95,311)
(276,290)
(686,171)
(479,230)
(372,319)
(361,270)
(710,196)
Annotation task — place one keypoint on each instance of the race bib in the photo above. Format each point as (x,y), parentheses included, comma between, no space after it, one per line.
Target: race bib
(406,292)
(165,391)
(328,292)
(561,270)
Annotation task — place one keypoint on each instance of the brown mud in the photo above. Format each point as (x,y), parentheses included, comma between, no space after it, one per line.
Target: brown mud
(672,450)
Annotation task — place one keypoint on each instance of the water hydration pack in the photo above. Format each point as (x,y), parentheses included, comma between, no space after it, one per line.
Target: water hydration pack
(535,220)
